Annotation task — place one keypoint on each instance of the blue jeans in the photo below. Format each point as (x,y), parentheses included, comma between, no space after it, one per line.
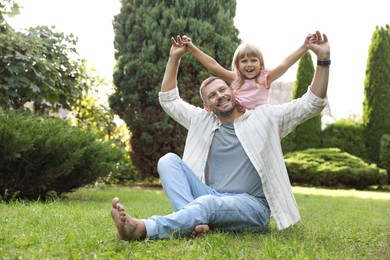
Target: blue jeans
(195,203)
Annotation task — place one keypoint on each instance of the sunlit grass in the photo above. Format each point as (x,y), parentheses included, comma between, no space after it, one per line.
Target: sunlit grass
(335,224)
(342,193)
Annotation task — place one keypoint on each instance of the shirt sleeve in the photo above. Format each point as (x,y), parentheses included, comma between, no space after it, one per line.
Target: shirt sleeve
(291,114)
(177,108)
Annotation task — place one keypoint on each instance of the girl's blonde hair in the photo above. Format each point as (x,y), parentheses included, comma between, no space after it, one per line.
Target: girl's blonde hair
(249,50)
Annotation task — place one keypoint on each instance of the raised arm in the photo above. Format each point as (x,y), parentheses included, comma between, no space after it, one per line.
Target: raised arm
(319,85)
(178,49)
(208,62)
(291,59)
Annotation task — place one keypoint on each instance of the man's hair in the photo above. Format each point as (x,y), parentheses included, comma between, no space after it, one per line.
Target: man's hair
(204,84)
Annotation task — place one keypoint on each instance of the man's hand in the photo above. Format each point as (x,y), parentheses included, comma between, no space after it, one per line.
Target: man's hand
(321,47)
(178,49)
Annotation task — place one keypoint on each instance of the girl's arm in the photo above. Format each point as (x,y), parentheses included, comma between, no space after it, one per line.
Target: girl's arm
(277,72)
(210,63)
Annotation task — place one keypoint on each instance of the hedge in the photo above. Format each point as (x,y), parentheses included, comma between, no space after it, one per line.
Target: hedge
(331,167)
(40,156)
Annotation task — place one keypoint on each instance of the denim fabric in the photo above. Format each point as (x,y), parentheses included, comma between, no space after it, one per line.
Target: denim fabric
(195,203)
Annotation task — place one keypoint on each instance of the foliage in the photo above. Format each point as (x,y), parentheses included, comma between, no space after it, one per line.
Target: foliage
(40,156)
(376,105)
(335,224)
(93,113)
(307,134)
(330,167)
(40,65)
(384,155)
(142,33)
(346,134)
(8,8)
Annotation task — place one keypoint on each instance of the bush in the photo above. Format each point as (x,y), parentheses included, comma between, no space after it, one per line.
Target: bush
(384,155)
(331,167)
(124,174)
(40,156)
(346,134)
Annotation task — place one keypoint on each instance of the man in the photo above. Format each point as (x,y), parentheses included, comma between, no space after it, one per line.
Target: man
(232,176)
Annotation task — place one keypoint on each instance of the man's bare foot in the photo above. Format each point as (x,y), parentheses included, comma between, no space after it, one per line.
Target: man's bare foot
(200,230)
(128,228)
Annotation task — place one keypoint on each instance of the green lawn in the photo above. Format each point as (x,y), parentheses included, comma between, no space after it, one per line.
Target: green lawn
(335,224)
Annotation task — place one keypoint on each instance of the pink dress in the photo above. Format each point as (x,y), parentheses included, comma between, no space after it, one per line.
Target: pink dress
(251,94)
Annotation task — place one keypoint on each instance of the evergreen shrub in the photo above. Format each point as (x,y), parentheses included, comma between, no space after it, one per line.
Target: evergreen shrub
(346,134)
(331,167)
(376,105)
(142,32)
(40,156)
(385,153)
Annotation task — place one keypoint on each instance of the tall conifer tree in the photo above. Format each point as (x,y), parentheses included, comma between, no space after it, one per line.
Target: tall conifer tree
(142,42)
(307,134)
(376,104)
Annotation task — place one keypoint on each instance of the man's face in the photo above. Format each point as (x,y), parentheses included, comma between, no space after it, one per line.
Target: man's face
(219,98)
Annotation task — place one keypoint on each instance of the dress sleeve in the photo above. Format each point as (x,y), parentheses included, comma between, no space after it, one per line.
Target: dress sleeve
(263,78)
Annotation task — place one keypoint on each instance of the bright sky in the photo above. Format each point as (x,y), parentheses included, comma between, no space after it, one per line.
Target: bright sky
(277,27)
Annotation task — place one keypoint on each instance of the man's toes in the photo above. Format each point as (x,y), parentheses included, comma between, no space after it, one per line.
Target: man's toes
(115,202)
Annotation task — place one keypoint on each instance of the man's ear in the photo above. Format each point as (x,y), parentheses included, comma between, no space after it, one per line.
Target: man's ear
(206,107)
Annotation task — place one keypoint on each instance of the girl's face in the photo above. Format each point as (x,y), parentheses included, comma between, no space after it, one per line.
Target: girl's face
(249,67)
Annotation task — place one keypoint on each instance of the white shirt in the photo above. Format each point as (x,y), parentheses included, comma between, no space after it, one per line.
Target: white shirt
(260,132)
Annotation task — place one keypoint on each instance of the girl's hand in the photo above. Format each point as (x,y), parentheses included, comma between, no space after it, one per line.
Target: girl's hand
(188,43)
(310,39)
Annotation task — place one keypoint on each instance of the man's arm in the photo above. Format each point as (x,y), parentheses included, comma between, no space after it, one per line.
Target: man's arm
(181,111)
(177,51)
(319,85)
(299,110)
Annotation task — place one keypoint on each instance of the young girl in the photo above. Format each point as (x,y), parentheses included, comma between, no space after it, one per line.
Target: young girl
(249,78)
